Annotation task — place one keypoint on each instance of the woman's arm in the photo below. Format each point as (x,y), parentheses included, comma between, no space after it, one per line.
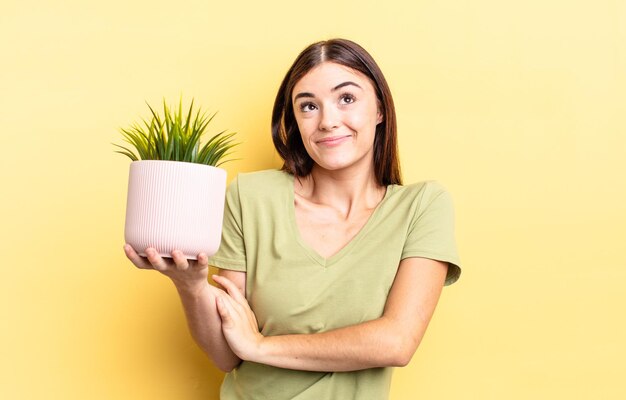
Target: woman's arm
(198,298)
(204,322)
(390,340)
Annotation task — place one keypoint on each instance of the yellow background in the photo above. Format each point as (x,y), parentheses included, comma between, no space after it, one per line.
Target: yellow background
(518,108)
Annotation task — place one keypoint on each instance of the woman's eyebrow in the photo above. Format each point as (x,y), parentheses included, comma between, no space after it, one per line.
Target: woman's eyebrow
(346,84)
(307,94)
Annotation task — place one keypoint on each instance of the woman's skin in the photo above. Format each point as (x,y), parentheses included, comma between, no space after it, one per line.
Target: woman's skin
(198,298)
(337,112)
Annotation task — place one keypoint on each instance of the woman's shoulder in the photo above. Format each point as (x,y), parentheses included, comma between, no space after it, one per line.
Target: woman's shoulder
(262,182)
(422,190)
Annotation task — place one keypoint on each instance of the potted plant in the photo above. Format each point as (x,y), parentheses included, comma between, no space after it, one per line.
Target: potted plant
(175,189)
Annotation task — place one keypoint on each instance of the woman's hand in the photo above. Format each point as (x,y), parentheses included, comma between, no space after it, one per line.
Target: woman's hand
(239,323)
(186,274)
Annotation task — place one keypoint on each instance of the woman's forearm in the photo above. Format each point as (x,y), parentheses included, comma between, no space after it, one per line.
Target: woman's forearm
(387,341)
(205,326)
(390,340)
(370,344)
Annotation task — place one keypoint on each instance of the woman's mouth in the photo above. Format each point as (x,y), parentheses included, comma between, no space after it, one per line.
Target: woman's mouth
(333,140)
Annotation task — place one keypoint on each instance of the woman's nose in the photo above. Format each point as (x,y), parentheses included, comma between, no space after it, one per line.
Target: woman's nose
(329,119)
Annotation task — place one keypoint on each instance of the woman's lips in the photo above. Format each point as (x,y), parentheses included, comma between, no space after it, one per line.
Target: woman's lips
(334,140)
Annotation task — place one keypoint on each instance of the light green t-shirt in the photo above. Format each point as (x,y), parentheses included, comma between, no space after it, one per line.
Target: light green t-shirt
(294,290)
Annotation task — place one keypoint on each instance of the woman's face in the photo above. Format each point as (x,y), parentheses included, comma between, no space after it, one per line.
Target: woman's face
(337,112)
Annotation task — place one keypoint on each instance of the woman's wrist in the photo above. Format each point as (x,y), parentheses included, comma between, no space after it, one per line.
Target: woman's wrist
(192,289)
(259,353)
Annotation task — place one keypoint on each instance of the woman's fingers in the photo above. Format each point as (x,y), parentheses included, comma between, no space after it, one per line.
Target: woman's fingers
(136,259)
(203,261)
(237,298)
(155,259)
(180,260)
(227,310)
(231,288)
(221,308)
(241,332)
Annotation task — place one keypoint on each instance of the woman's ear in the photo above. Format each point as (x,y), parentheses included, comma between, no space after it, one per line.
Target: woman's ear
(379,116)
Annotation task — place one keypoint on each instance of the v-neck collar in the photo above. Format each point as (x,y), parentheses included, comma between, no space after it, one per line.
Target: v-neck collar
(312,253)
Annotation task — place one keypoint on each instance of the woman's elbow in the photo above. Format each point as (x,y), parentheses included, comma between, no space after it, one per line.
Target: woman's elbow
(405,348)
(228,366)
(226,369)
(403,359)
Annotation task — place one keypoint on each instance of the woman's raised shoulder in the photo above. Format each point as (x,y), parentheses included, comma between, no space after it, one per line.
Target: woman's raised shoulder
(423,190)
(267,181)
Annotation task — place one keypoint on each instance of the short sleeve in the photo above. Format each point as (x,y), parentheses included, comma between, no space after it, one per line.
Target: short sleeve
(431,230)
(232,252)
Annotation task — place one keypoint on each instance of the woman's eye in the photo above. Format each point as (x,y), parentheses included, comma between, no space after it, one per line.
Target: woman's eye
(305,107)
(347,98)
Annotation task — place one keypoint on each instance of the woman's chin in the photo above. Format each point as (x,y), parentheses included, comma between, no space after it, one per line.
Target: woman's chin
(336,165)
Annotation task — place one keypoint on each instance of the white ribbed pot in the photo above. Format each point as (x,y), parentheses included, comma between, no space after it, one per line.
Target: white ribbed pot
(175,205)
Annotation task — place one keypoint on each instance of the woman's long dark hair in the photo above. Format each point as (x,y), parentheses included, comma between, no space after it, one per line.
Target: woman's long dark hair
(285,132)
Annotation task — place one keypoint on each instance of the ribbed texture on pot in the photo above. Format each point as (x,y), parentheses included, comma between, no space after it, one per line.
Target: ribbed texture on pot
(174,205)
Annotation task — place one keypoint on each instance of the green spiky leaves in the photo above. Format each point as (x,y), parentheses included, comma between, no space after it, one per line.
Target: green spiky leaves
(176,137)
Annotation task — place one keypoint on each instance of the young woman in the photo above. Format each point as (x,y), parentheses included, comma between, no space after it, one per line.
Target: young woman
(331,268)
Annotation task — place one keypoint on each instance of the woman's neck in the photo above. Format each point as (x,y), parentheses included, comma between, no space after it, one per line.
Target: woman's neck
(345,192)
